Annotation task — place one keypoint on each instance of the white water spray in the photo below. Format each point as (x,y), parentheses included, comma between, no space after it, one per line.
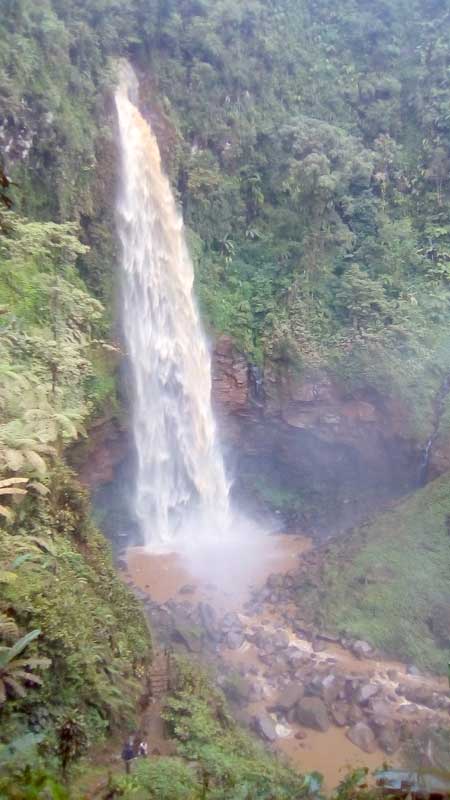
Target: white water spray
(181,487)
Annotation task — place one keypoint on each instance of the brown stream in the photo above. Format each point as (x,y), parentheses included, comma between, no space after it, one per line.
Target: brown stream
(235,573)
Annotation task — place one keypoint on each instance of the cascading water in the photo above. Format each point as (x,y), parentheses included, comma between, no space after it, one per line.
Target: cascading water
(181,486)
(427,450)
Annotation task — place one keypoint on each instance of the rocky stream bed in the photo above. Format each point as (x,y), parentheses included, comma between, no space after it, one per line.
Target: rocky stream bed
(326,702)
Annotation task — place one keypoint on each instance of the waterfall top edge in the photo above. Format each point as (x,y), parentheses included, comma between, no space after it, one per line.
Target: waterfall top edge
(128,83)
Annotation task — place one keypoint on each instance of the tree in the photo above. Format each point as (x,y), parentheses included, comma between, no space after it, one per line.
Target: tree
(362,300)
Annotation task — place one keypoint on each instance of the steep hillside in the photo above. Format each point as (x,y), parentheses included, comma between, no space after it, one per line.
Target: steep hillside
(388,580)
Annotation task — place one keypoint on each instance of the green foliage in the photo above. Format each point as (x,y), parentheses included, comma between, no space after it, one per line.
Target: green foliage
(91,627)
(387,581)
(229,763)
(15,672)
(48,383)
(161,779)
(308,143)
(32,783)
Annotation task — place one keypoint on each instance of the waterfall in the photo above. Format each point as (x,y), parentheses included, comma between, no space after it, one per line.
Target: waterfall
(181,489)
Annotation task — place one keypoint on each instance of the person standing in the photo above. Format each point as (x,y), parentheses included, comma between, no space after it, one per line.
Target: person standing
(128,754)
(143,749)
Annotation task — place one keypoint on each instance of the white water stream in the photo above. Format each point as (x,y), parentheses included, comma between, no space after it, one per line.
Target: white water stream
(181,488)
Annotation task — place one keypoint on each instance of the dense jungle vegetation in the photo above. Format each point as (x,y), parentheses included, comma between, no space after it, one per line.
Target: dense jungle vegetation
(309,147)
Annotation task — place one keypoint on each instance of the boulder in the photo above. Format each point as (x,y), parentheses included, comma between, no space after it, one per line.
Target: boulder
(188,588)
(312,713)
(231,621)
(208,619)
(413,670)
(238,689)
(190,636)
(257,693)
(289,697)
(389,739)
(381,708)
(332,686)
(366,692)
(243,717)
(275,581)
(280,640)
(420,695)
(265,727)
(295,656)
(339,713)
(355,714)
(362,649)
(362,736)
(328,637)
(234,640)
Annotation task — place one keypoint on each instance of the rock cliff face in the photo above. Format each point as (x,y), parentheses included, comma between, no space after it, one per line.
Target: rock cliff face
(308,434)
(97,458)
(301,443)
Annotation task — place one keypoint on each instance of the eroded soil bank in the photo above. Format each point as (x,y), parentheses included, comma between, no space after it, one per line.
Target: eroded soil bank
(326,705)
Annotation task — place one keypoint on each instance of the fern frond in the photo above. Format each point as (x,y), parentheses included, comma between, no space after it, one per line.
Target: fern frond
(12,481)
(7,513)
(8,627)
(39,488)
(36,461)
(16,687)
(13,459)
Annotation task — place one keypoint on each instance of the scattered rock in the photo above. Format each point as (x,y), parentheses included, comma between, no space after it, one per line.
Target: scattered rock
(188,588)
(362,736)
(413,670)
(312,712)
(392,674)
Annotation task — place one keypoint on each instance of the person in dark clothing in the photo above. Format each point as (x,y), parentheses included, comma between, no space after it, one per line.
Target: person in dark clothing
(128,754)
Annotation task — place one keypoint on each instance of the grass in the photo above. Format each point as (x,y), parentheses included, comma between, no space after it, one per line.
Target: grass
(383,581)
